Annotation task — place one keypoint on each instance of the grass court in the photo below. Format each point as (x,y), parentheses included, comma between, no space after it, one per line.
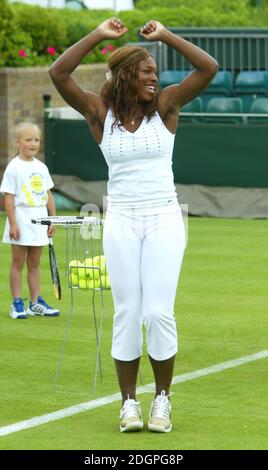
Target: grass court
(221,311)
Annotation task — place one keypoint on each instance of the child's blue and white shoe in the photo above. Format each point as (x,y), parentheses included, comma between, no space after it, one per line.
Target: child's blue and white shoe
(17,310)
(41,308)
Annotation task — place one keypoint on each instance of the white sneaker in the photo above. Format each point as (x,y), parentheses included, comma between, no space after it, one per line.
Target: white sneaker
(16,310)
(159,417)
(130,416)
(41,308)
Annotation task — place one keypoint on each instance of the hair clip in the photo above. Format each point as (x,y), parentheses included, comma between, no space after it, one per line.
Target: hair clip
(109,75)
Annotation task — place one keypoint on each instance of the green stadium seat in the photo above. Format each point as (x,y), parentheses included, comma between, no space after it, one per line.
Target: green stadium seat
(222,105)
(249,86)
(221,85)
(252,82)
(172,77)
(259,106)
(194,106)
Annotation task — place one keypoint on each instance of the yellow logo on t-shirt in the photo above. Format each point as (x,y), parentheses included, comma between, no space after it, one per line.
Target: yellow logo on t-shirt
(35,193)
(28,196)
(37,183)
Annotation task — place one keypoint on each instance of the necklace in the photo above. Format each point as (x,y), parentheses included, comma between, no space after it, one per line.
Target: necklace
(133,122)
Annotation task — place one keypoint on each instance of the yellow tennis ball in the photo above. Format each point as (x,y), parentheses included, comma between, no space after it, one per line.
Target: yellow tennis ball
(95,283)
(82,284)
(72,266)
(88,275)
(94,274)
(90,284)
(82,272)
(88,262)
(91,273)
(101,262)
(74,279)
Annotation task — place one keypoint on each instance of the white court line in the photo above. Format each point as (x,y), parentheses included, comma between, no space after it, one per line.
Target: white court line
(90,405)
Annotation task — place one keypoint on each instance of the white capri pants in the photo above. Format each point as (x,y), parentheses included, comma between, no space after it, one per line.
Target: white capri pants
(144,256)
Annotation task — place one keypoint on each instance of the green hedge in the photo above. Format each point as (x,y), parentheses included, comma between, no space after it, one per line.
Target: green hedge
(224,6)
(11,39)
(31,35)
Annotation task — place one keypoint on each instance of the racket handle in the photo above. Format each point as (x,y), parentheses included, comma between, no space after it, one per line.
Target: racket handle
(42,222)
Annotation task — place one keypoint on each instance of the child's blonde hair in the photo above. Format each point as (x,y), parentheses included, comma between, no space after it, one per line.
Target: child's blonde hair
(21,126)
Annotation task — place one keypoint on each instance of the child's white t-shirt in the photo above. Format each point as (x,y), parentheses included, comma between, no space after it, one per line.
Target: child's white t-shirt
(29,182)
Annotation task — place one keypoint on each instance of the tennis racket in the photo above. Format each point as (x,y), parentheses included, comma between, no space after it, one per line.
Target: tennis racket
(67,220)
(54,269)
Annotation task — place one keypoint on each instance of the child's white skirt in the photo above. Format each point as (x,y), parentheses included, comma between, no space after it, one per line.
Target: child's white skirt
(30,234)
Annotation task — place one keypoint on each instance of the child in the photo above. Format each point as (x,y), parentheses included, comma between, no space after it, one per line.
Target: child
(26,184)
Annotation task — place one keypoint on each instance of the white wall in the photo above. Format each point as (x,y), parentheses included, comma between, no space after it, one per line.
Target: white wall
(93,4)
(113,4)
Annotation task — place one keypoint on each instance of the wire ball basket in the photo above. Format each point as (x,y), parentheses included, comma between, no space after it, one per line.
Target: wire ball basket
(85,268)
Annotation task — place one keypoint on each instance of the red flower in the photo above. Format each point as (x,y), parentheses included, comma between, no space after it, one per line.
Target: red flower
(51,51)
(110,47)
(22,53)
(104,50)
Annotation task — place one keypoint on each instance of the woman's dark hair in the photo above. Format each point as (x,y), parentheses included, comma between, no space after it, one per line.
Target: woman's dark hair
(119,92)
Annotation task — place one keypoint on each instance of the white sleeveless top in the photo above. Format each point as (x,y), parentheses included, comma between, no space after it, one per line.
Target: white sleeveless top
(140,163)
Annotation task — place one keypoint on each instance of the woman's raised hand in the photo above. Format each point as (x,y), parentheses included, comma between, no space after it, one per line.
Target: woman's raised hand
(113,28)
(152,30)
